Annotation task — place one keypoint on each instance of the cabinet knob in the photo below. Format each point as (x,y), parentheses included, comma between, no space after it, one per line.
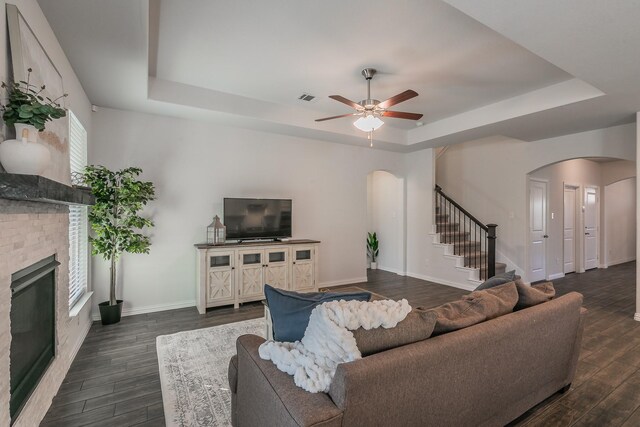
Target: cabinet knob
(233,268)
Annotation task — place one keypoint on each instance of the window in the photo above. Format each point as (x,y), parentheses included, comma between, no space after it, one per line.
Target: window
(78,221)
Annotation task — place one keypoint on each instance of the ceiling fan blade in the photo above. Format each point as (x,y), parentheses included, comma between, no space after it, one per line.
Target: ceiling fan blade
(401,97)
(344,100)
(401,115)
(334,117)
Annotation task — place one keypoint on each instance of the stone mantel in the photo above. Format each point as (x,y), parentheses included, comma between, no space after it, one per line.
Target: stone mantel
(36,188)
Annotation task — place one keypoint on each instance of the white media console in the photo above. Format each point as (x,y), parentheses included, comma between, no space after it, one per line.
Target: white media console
(236,272)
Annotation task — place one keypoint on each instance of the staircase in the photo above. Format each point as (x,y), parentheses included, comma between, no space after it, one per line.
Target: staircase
(471,242)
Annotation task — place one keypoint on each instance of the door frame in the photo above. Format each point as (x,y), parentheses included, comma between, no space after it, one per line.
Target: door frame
(577,224)
(546,224)
(598,227)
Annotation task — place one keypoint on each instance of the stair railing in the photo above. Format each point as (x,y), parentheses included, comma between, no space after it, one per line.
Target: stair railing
(473,240)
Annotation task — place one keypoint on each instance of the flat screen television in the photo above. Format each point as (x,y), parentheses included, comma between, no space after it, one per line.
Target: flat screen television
(248,219)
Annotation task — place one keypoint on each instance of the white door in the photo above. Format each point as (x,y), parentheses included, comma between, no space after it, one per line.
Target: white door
(590,228)
(569,229)
(537,230)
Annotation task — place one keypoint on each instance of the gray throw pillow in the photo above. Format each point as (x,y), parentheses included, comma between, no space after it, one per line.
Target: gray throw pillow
(528,296)
(417,326)
(498,279)
(475,308)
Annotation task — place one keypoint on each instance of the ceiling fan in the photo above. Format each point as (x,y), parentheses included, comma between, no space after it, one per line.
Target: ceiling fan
(370,110)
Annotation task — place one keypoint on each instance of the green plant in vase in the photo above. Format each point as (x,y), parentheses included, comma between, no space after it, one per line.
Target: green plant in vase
(26,104)
(27,109)
(116,222)
(372,249)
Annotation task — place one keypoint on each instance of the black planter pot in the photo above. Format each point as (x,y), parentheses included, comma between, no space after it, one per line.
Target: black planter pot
(110,314)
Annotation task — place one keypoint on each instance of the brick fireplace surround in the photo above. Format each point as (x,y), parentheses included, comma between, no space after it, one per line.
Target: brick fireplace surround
(29,232)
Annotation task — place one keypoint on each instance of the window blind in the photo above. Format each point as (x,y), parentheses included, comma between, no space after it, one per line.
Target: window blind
(78,221)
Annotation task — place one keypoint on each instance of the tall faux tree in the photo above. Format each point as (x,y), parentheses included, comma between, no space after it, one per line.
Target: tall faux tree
(115,218)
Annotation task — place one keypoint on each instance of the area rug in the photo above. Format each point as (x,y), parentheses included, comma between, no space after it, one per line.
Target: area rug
(193,373)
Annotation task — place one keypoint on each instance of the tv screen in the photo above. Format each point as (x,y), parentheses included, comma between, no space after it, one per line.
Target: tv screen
(257,218)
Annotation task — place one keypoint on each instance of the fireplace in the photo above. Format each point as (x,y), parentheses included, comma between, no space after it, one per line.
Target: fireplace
(32,328)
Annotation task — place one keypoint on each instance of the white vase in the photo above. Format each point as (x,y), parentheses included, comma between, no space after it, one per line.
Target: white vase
(24,157)
(32,132)
(374,265)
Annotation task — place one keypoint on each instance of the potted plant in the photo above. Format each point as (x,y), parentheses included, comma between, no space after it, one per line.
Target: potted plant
(115,222)
(27,109)
(372,249)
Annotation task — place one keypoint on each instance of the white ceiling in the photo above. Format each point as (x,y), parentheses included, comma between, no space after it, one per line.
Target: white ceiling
(245,63)
(277,50)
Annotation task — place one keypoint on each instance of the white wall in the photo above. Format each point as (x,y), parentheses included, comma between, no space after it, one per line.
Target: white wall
(489,177)
(194,165)
(385,216)
(617,171)
(420,183)
(620,221)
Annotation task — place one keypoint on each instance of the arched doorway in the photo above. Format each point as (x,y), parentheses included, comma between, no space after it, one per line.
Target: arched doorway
(568,206)
(386,217)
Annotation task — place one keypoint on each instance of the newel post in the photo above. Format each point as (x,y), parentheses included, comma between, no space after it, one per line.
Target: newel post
(491,249)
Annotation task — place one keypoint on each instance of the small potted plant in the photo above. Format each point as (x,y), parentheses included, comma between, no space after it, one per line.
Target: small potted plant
(27,109)
(372,249)
(115,221)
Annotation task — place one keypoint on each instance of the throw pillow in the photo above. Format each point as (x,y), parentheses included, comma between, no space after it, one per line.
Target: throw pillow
(498,279)
(528,296)
(417,326)
(290,310)
(475,308)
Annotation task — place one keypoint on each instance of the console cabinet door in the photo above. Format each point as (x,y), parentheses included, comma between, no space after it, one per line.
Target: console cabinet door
(220,276)
(276,272)
(303,276)
(251,271)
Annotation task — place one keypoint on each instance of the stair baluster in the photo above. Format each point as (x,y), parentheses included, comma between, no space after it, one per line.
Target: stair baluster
(471,239)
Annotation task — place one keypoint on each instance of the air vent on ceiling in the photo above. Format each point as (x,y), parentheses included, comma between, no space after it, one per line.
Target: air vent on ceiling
(306,97)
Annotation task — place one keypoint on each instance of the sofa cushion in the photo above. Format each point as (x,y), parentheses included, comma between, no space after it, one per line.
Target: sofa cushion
(417,326)
(290,311)
(498,279)
(528,296)
(475,308)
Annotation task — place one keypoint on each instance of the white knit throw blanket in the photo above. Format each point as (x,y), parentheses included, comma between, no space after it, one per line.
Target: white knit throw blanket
(328,340)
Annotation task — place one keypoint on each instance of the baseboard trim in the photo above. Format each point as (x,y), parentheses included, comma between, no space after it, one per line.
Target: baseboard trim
(151,309)
(621,261)
(392,270)
(636,317)
(555,276)
(465,287)
(342,282)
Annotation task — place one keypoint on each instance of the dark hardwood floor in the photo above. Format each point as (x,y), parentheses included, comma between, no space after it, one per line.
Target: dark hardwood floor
(114,380)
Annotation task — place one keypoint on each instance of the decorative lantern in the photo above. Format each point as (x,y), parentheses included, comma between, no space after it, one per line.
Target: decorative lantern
(216,232)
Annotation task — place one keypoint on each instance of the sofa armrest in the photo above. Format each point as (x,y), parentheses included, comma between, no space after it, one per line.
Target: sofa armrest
(267,396)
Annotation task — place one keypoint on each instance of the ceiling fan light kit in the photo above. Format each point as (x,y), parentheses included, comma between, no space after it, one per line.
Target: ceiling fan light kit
(368,123)
(370,110)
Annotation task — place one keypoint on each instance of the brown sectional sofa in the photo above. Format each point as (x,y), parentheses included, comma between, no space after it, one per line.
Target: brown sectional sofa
(484,375)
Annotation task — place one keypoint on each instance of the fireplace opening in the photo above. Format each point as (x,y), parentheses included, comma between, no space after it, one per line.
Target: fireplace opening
(32,329)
